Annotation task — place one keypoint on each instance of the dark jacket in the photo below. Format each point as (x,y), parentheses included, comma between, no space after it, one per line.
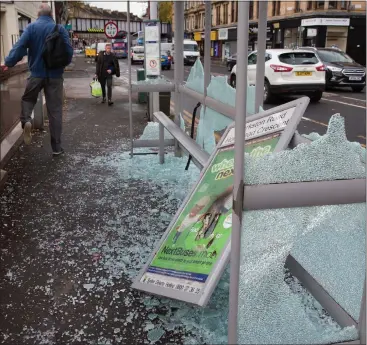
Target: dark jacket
(99,65)
(33,40)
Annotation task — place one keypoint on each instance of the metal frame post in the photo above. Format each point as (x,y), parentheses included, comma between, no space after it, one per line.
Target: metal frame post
(161,143)
(240,125)
(179,63)
(261,49)
(130,91)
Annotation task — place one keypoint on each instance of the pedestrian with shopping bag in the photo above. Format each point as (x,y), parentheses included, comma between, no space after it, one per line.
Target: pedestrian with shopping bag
(107,66)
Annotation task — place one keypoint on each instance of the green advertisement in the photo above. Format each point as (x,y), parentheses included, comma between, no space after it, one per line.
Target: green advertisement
(201,231)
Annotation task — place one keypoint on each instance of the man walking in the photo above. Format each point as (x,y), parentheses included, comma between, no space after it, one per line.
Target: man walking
(34,39)
(107,66)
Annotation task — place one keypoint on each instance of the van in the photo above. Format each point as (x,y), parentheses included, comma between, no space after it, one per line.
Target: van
(190,51)
(101,47)
(167,47)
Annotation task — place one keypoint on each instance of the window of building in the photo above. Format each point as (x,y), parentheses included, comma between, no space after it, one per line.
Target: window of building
(232,11)
(225,14)
(236,9)
(333,4)
(217,15)
(320,5)
(344,5)
(297,7)
(251,10)
(274,4)
(309,5)
(257,8)
(275,8)
(290,38)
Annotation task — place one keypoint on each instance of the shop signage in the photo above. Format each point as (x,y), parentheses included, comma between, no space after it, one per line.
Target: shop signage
(223,34)
(255,29)
(192,254)
(325,22)
(311,32)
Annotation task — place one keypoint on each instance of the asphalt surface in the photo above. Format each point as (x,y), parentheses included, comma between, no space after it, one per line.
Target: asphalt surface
(349,104)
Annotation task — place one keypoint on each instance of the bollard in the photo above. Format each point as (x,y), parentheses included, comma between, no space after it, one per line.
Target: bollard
(38,113)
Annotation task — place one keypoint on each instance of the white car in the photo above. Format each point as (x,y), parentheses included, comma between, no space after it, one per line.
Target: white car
(287,71)
(137,54)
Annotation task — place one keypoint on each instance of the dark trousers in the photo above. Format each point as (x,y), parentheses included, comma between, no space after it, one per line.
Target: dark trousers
(103,81)
(53,88)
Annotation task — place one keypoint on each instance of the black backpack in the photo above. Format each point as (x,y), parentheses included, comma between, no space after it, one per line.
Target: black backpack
(54,51)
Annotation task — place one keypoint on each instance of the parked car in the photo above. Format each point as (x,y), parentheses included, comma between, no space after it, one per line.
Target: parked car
(231,61)
(137,54)
(341,69)
(287,71)
(166,60)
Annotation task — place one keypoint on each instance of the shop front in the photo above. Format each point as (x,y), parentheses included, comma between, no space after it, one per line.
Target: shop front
(252,42)
(216,46)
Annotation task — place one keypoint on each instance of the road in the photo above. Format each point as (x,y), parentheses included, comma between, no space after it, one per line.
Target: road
(349,104)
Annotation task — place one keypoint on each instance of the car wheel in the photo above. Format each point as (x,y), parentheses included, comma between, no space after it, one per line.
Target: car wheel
(132,61)
(233,81)
(169,67)
(316,96)
(357,88)
(268,96)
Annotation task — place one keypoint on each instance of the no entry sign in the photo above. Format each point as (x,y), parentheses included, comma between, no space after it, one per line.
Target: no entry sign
(110,29)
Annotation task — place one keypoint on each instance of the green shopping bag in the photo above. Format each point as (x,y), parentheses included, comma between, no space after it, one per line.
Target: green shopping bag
(96,88)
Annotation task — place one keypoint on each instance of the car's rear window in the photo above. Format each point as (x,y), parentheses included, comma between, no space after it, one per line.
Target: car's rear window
(298,58)
(139,50)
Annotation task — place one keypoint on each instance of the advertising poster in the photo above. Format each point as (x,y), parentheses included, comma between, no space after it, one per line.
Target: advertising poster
(202,230)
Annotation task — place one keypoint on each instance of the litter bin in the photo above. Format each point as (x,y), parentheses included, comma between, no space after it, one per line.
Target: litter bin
(142,96)
(164,102)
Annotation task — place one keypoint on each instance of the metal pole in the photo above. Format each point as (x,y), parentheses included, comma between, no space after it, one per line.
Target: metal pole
(207,43)
(154,95)
(179,63)
(161,144)
(240,124)
(261,48)
(130,95)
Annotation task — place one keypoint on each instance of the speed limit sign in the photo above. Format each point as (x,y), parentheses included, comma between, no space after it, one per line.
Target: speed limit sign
(110,29)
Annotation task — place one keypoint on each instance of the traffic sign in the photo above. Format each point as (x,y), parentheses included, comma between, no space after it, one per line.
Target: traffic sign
(111,29)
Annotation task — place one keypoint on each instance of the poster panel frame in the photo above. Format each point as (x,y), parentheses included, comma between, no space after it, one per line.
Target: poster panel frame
(201,299)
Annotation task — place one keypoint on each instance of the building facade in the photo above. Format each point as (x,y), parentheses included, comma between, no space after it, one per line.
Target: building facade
(14,18)
(290,23)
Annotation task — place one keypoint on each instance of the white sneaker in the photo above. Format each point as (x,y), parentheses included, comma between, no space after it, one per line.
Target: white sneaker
(27,133)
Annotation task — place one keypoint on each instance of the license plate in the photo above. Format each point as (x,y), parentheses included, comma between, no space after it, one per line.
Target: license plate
(355,78)
(162,60)
(140,57)
(303,74)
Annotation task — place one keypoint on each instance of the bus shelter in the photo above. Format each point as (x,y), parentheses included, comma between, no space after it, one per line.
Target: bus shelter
(283,195)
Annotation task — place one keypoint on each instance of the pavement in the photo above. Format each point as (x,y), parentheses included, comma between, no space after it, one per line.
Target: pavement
(66,222)
(55,212)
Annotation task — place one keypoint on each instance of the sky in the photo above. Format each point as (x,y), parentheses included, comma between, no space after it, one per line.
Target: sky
(136,7)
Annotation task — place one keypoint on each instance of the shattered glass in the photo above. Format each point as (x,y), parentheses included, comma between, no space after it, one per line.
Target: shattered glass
(211,121)
(328,241)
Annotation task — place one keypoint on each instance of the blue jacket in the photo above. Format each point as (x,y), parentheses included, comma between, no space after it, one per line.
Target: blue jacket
(33,39)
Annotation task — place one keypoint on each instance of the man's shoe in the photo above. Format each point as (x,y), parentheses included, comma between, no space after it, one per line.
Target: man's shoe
(58,153)
(104,100)
(27,133)
(110,102)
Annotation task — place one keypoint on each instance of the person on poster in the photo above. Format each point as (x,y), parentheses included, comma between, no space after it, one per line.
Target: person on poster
(192,218)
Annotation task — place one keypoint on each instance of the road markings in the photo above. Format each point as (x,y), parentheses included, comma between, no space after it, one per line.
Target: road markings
(339,95)
(351,105)
(314,121)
